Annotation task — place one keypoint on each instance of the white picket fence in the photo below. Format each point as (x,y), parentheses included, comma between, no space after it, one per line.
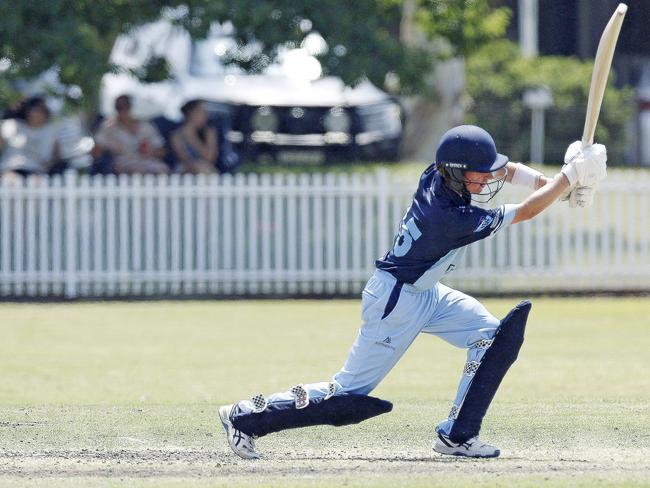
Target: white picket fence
(286,234)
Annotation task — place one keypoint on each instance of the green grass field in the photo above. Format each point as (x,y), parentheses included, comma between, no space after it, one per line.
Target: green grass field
(125,394)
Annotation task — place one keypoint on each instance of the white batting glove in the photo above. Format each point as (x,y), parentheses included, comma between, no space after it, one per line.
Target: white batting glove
(584,168)
(590,163)
(566,194)
(582,196)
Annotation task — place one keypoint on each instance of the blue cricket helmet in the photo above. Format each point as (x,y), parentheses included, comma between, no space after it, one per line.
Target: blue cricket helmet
(469,148)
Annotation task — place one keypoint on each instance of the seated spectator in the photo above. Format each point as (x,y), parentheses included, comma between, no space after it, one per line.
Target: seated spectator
(136,146)
(195,142)
(28,143)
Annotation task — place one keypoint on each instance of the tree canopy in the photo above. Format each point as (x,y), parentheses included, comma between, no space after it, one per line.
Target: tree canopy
(76,36)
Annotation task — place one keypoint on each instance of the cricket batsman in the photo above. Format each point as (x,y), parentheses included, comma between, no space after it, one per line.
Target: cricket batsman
(404,297)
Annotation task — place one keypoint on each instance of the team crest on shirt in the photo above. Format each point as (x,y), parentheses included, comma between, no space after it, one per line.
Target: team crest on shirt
(485,221)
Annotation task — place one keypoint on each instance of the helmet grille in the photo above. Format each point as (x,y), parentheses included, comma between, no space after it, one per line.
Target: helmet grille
(454,179)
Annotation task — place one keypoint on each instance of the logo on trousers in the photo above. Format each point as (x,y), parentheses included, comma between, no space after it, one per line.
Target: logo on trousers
(386,343)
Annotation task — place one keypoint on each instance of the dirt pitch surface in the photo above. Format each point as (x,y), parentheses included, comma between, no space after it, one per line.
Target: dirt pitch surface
(392,451)
(107,404)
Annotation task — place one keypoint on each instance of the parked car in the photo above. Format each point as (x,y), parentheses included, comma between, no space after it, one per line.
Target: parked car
(289,112)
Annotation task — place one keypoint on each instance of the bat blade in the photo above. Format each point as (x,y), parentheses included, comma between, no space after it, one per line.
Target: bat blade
(602,65)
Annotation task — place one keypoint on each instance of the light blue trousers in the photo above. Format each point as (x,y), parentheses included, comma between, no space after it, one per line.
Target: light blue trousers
(382,340)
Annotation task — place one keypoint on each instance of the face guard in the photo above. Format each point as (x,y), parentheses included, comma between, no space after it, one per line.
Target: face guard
(470,148)
(454,177)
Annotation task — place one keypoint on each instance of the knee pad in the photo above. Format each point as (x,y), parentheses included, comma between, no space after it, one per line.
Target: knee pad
(341,409)
(487,374)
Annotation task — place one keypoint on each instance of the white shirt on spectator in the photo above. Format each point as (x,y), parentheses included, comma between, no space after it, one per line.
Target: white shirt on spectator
(126,145)
(27,148)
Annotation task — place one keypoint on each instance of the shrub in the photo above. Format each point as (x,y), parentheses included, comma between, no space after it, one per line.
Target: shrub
(498,76)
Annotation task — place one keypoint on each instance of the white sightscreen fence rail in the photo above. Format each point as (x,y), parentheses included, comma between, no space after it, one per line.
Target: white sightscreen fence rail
(287,234)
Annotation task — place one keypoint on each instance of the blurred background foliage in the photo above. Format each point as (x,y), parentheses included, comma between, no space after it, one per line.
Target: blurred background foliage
(364,37)
(498,76)
(466,25)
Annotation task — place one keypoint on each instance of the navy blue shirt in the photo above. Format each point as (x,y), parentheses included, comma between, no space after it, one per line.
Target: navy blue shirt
(435,231)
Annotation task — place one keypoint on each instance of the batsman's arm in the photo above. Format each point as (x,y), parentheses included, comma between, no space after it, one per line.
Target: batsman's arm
(521,175)
(544,196)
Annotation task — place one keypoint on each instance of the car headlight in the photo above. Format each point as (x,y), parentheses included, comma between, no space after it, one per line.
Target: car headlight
(265,119)
(337,120)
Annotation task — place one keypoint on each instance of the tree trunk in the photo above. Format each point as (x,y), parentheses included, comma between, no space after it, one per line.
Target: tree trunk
(429,116)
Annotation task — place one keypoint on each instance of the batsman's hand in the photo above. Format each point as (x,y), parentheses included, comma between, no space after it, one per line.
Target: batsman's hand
(582,196)
(585,168)
(590,162)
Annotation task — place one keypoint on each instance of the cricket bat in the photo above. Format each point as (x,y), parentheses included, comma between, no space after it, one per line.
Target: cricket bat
(602,64)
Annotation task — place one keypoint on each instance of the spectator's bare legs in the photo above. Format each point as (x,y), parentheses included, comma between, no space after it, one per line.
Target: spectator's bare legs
(198,167)
(12,178)
(142,166)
